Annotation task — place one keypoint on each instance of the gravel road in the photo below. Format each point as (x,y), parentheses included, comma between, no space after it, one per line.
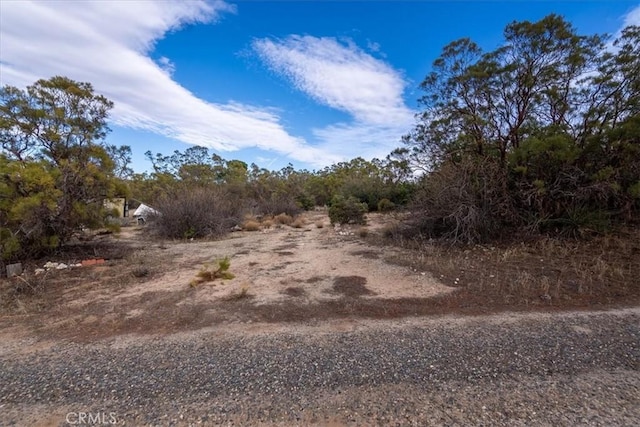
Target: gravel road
(534,369)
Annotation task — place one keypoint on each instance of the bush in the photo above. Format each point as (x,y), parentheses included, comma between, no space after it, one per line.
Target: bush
(199,212)
(347,210)
(210,272)
(386,205)
(251,225)
(464,202)
(276,204)
(284,219)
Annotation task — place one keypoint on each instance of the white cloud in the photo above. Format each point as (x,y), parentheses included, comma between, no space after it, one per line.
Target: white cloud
(633,17)
(344,77)
(167,65)
(108,44)
(341,76)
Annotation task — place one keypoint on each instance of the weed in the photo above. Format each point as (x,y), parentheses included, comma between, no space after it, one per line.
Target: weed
(210,272)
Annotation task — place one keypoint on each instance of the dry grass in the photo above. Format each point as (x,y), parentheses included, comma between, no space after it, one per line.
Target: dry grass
(552,273)
(242,293)
(283,219)
(251,225)
(299,222)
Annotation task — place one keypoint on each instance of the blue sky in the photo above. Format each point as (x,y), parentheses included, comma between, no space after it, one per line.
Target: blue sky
(301,82)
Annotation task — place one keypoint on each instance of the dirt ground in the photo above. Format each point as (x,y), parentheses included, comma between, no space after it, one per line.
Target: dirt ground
(311,273)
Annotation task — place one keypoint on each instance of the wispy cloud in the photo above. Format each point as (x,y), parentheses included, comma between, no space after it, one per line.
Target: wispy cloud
(633,17)
(109,45)
(341,75)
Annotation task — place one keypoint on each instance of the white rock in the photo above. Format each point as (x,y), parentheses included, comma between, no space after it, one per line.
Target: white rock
(39,271)
(62,266)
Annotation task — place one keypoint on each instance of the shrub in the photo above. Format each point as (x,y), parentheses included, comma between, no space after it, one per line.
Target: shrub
(386,205)
(274,204)
(283,218)
(464,202)
(210,272)
(251,225)
(347,210)
(199,212)
(299,223)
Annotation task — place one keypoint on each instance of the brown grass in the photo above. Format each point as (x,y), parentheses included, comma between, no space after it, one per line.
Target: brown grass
(283,219)
(544,272)
(251,225)
(299,222)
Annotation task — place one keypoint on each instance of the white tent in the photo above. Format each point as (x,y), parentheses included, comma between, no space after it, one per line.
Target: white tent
(143,212)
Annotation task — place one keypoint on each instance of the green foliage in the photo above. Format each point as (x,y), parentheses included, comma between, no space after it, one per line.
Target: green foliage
(562,141)
(54,171)
(347,210)
(219,269)
(386,205)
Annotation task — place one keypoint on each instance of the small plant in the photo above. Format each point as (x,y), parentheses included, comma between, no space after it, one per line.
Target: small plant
(212,271)
(386,205)
(239,295)
(251,225)
(283,218)
(298,223)
(140,272)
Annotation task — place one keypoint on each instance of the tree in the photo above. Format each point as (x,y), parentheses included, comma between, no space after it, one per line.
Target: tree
(55,171)
(535,134)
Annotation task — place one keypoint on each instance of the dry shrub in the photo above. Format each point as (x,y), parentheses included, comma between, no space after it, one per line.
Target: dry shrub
(198,212)
(464,202)
(251,225)
(241,294)
(267,223)
(298,223)
(284,219)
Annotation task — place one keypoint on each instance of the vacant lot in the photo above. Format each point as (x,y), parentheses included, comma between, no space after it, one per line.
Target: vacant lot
(309,272)
(327,326)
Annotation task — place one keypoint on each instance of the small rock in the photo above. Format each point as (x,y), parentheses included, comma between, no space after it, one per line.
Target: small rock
(38,271)
(62,266)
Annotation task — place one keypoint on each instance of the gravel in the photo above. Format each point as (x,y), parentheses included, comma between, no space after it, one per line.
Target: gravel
(572,369)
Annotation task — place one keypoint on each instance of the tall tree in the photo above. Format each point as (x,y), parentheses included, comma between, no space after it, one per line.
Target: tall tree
(56,170)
